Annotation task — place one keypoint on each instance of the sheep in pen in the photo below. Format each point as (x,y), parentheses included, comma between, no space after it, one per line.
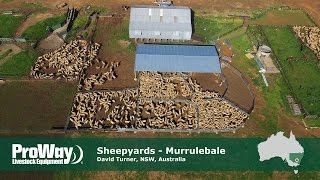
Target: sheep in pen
(107,73)
(174,85)
(104,109)
(180,105)
(67,62)
(154,85)
(167,115)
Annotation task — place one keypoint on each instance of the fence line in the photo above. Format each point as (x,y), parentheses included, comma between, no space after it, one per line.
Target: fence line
(282,71)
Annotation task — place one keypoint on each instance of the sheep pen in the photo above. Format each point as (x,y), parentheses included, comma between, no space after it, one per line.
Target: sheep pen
(105,71)
(162,101)
(67,62)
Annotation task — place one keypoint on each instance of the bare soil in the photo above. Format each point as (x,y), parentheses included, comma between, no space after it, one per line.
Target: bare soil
(210,82)
(225,50)
(296,126)
(282,18)
(50,43)
(125,71)
(34,106)
(238,92)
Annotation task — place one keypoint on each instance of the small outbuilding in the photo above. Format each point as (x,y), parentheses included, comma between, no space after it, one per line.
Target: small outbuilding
(177,58)
(160,22)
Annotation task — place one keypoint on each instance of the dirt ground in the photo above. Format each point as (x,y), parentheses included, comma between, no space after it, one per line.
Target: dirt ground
(125,71)
(27,175)
(237,91)
(225,50)
(210,82)
(50,43)
(34,106)
(296,126)
(282,18)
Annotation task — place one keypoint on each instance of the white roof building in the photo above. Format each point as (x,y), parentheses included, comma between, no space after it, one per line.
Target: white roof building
(160,22)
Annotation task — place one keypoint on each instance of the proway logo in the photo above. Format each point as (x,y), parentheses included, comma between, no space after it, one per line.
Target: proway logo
(46,154)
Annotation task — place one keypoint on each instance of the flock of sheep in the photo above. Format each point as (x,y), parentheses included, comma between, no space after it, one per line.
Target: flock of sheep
(220,115)
(166,86)
(310,36)
(155,85)
(107,73)
(122,109)
(160,102)
(67,62)
(105,109)
(167,114)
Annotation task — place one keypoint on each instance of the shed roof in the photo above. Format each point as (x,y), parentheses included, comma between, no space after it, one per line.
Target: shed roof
(157,18)
(177,58)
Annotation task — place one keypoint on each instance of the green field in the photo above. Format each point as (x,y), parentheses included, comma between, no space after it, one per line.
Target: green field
(312,122)
(80,22)
(78,25)
(120,33)
(210,28)
(19,64)
(303,74)
(256,35)
(5,1)
(39,30)
(9,25)
(99,9)
(266,118)
(5,54)
(34,106)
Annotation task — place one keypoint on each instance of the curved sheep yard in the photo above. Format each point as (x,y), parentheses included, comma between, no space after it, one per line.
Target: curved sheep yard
(163,101)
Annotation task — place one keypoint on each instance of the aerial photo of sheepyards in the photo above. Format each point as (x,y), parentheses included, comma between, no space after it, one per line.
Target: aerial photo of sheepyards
(160,68)
(157,67)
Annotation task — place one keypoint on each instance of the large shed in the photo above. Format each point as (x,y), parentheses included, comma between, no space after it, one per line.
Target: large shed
(177,58)
(160,22)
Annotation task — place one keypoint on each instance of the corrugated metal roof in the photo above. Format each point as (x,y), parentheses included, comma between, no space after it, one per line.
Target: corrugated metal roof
(6,39)
(160,7)
(177,58)
(173,19)
(20,39)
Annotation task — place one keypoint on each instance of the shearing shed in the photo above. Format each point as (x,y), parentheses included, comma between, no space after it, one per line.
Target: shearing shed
(160,22)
